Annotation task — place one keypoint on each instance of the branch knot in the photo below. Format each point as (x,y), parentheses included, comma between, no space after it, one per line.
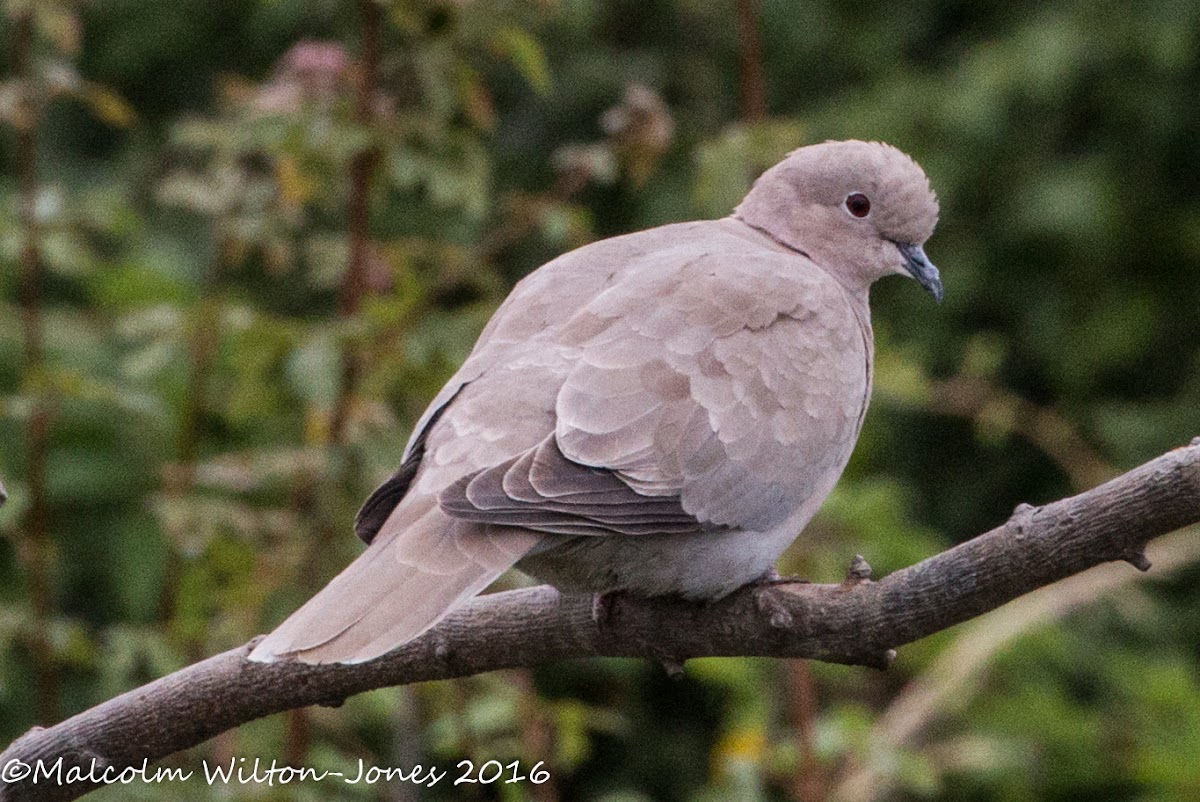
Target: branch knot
(858,573)
(1022,517)
(1138,560)
(768,603)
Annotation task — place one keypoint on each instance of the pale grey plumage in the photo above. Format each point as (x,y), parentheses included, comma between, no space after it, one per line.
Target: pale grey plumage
(661,412)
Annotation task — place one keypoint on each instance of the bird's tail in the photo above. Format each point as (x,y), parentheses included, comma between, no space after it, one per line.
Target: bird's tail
(421,565)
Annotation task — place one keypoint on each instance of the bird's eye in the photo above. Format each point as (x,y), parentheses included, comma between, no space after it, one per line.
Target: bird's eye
(858,204)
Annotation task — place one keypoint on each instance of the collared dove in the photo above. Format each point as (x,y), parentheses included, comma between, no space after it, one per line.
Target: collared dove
(661,412)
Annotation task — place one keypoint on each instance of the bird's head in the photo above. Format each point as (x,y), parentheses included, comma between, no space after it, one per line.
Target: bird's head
(860,210)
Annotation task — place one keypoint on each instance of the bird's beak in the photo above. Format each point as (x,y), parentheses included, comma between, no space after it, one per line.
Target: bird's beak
(918,264)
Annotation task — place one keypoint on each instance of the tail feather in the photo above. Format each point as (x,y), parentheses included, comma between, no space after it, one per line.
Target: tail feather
(422,566)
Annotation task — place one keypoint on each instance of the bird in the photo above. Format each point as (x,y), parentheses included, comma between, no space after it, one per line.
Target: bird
(658,413)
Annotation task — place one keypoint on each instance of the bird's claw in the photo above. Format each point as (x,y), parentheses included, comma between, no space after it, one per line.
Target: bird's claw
(772,578)
(603,607)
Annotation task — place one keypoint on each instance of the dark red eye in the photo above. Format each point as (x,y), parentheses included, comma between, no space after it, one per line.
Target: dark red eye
(858,204)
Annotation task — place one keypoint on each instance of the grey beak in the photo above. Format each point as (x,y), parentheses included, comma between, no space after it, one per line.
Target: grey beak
(917,263)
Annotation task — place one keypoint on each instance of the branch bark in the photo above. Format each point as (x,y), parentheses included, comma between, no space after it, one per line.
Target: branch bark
(961,671)
(858,622)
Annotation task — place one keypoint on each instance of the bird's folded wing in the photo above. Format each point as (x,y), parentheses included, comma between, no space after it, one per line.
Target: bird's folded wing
(735,385)
(711,396)
(379,505)
(543,491)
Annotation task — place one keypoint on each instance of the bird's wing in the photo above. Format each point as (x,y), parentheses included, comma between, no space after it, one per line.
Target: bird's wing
(543,491)
(379,505)
(720,394)
(532,313)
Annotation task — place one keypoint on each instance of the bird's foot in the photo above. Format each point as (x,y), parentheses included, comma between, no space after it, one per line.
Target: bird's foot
(603,606)
(768,603)
(772,579)
(673,668)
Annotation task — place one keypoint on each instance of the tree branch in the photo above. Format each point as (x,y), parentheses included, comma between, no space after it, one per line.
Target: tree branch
(961,671)
(858,622)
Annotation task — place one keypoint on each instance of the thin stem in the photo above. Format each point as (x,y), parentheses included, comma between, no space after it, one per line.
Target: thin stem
(31,270)
(202,347)
(354,283)
(536,732)
(353,289)
(297,738)
(39,550)
(809,783)
(973,399)
(752,82)
(202,336)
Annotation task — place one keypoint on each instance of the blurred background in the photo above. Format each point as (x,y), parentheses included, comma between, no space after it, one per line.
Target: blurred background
(242,244)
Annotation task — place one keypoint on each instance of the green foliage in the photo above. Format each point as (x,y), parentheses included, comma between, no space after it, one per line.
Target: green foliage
(205,453)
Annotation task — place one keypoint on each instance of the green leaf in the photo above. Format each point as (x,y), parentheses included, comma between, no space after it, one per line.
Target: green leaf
(522,49)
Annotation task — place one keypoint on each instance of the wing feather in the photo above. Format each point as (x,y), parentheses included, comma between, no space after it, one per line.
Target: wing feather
(582,500)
